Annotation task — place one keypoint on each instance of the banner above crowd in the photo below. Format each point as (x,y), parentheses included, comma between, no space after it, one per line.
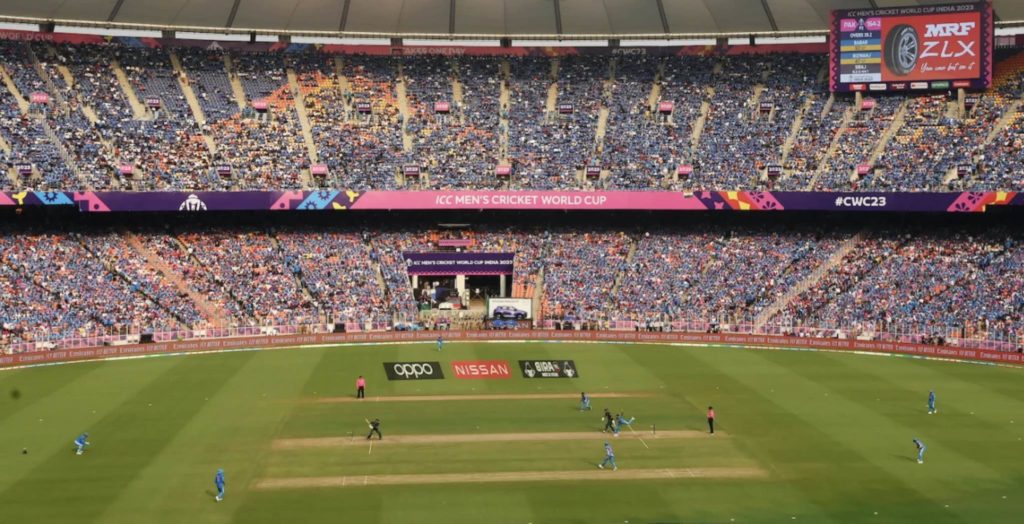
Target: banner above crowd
(335,200)
(451,264)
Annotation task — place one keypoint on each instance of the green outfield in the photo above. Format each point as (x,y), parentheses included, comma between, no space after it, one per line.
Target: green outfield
(815,437)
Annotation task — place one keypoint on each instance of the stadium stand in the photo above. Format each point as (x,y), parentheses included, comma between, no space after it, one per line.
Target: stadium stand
(911,284)
(732,116)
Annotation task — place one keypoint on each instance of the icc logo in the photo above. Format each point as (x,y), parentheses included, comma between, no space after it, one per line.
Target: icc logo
(192,203)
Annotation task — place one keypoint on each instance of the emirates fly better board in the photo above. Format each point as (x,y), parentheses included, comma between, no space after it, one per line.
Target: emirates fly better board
(911,48)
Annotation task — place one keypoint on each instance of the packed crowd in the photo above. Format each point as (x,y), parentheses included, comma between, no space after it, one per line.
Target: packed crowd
(937,283)
(914,283)
(355,121)
(729,277)
(742,112)
(459,146)
(640,148)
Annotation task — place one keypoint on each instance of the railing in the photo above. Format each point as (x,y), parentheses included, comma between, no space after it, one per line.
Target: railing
(994,340)
(122,336)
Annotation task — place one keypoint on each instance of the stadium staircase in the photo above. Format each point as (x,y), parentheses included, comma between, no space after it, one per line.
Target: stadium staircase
(621,276)
(655,95)
(111,266)
(59,144)
(809,281)
(537,295)
(503,123)
(140,111)
(82,104)
(198,263)
(457,94)
(403,109)
(306,292)
(552,100)
(10,173)
(54,93)
(13,89)
(213,312)
(69,79)
(828,105)
(300,108)
(236,83)
(824,162)
(894,127)
(193,101)
(754,102)
(186,88)
(698,126)
(794,130)
(1011,114)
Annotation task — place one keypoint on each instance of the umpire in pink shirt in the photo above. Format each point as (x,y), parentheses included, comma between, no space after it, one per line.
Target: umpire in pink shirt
(360,387)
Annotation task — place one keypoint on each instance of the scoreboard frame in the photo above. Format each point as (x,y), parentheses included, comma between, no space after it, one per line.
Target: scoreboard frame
(896,43)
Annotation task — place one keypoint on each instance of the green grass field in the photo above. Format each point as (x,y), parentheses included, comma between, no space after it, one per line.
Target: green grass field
(821,437)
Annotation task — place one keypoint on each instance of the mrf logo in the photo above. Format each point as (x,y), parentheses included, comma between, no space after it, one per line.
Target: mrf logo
(548,369)
(947,48)
(952,29)
(481,369)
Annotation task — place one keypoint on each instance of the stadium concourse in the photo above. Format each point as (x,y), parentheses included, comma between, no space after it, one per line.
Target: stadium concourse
(130,114)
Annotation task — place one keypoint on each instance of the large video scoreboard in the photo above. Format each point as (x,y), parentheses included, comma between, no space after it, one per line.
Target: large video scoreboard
(911,48)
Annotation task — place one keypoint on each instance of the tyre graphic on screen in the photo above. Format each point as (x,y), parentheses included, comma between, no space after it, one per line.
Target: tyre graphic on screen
(901,48)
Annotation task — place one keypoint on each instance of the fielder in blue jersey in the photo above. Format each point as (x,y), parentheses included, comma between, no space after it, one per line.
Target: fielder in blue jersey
(609,457)
(920,451)
(440,342)
(931,403)
(584,402)
(81,442)
(621,420)
(218,481)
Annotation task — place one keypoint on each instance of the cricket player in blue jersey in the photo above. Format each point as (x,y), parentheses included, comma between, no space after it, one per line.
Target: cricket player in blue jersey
(920,451)
(620,421)
(609,457)
(440,342)
(81,442)
(584,402)
(931,403)
(218,481)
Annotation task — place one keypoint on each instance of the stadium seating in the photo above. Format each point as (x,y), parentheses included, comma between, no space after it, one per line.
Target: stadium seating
(908,284)
(732,117)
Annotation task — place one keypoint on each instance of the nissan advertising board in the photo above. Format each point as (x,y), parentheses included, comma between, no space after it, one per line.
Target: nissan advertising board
(891,48)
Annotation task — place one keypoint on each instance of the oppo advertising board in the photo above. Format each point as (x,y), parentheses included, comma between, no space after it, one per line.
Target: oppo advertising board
(510,308)
(911,48)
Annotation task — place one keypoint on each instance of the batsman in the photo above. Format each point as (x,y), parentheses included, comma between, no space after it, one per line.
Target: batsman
(374,428)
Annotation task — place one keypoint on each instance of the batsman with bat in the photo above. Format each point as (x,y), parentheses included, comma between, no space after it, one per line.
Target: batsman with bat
(374,428)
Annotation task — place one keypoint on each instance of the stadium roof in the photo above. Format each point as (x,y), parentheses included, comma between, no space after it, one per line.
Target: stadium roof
(461,18)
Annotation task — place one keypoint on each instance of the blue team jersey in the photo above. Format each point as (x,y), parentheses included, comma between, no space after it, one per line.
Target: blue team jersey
(931,398)
(608,450)
(81,439)
(219,480)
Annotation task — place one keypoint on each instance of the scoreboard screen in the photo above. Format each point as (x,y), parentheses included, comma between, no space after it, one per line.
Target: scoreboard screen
(911,48)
